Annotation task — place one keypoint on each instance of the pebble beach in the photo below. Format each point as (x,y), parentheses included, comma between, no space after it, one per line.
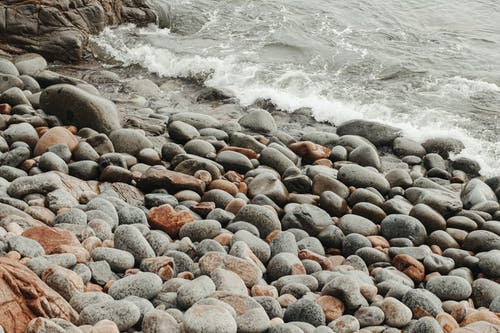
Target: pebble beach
(134,203)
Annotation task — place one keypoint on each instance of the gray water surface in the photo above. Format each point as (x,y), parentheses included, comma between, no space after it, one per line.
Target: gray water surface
(431,67)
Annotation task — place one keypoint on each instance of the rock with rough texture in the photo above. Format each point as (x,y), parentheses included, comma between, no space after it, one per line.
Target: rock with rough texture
(246,270)
(66,28)
(130,239)
(118,260)
(209,319)
(190,293)
(305,311)
(422,301)
(167,219)
(250,315)
(24,296)
(449,288)
(261,217)
(443,146)
(82,300)
(124,314)
(25,247)
(146,285)
(43,325)
(51,238)
(396,313)
(66,282)
(158,321)
(93,111)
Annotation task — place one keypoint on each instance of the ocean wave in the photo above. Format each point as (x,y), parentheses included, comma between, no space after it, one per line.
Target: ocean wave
(294,88)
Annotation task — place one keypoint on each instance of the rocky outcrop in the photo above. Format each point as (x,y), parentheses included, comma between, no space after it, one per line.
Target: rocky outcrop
(24,296)
(60,29)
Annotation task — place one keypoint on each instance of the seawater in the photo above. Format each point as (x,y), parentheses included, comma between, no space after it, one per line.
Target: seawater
(431,67)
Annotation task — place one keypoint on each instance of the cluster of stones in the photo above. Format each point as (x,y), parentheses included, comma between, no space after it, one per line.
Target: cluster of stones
(233,226)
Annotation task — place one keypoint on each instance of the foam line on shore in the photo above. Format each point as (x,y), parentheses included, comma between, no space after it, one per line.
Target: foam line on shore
(246,81)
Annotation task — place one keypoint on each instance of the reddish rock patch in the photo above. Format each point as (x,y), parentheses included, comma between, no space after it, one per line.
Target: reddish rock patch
(166,218)
(23,296)
(51,238)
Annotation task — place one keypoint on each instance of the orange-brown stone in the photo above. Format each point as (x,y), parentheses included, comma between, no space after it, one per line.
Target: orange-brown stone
(447,322)
(55,135)
(310,255)
(264,290)
(81,254)
(203,208)
(89,287)
(105,326)
(5,108)
(243,187)
(245,151)
(203,175)
(91,243)
(163,266)
(324,161)
(166,218)
(413,268)
(286,299)
(187,195)
(41,213)
(432,275)
(235,205)
(50,238)
(28,164)
(234,176)
(310,151)
(436,249)
(73,129)
(247,271)
(159,178)
(336,260)
(14,255)
(23,296)
(272,235)
(478,327)
(332,307)
(224,185)
(378,242)
(480,315)
(186,275)
(224,238)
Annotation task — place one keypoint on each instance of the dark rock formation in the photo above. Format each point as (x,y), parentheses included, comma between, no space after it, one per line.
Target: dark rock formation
(60,29)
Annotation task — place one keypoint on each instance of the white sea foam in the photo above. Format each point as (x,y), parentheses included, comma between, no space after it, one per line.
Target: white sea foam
(295,89)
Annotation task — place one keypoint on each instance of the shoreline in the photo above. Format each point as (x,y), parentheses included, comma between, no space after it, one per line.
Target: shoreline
(269,221)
